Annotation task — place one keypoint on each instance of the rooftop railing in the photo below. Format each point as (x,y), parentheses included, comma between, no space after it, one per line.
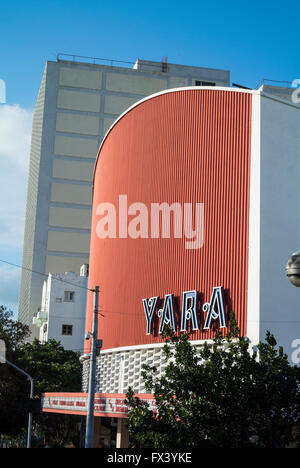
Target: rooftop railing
(266,81)
(161,66)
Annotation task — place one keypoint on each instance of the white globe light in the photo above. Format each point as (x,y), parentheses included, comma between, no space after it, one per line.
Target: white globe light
(293,269)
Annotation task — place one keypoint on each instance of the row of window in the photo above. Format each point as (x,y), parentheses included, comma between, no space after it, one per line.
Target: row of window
(204,83)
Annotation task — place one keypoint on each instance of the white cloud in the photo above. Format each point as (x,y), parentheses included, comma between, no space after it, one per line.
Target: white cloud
(15,135)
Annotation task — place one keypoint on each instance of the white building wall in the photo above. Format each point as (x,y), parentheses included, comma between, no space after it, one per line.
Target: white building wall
(58,312)
(274,231)
(280,219)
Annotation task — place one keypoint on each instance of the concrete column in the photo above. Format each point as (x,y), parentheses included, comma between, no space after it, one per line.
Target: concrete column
(122,440)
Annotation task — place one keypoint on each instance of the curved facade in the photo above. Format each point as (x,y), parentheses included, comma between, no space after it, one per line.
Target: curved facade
(188,149)
(229,161)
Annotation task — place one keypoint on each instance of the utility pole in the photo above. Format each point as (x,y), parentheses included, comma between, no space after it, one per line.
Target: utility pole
(95,347)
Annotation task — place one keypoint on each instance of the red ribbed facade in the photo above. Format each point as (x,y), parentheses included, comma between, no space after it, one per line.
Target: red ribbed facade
(189,146)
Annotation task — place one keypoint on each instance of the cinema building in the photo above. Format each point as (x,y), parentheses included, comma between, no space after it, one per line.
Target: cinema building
(195,213)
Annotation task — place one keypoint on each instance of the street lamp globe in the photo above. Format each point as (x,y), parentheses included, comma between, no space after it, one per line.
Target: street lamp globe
(293,269)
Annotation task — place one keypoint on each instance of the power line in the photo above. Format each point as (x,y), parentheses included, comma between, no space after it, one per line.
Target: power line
(44,274)
(67,282)
(99,313)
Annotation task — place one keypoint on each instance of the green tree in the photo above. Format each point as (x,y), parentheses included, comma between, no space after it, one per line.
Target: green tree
(12,384)
(223,395)
(53,369)
(13,332)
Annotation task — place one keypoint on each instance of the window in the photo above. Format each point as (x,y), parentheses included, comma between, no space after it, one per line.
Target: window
(67,330)
(204,83)
(69,296)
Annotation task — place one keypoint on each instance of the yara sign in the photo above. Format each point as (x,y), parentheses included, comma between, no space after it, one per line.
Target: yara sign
(214,309)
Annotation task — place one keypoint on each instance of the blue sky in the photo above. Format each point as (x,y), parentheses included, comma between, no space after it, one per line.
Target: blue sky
(251,39)
(254,39)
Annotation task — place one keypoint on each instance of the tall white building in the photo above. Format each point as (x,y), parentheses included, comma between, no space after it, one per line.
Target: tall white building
(62,313)
(77,103)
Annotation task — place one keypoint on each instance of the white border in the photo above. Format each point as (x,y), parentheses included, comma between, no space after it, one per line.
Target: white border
(167,91)
(253,299)
(144,346)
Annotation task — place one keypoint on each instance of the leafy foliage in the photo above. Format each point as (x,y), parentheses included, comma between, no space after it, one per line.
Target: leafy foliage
(12,384)
(223,395)
(53,369)
(14,333)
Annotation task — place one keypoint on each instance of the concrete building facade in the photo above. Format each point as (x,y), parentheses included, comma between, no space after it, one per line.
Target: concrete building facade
(76,105)
(62,313)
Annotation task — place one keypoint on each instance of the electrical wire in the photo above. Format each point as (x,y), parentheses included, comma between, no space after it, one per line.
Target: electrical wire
(67,282)
(80,350)
(45,275)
